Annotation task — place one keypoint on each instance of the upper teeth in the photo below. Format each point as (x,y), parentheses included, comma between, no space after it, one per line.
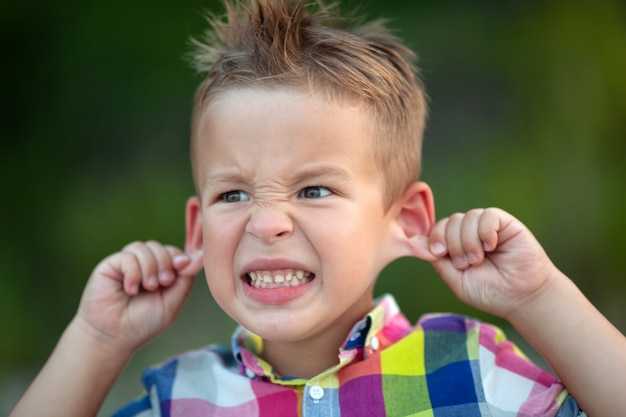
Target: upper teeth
(285,278)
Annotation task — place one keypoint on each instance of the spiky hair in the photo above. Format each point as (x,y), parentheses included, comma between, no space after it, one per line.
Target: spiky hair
(298,44)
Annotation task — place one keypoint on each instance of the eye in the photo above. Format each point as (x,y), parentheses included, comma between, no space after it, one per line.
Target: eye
(234,196)
(314,192)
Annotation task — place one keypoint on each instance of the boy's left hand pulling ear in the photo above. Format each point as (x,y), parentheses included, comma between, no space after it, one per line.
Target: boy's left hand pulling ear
(490,260)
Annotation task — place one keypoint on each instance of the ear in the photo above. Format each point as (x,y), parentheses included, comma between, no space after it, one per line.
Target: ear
(193,225)
(415,216)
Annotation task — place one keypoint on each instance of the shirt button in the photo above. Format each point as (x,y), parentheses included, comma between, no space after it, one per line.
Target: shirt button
(374,343)
(316,392)
(250,373)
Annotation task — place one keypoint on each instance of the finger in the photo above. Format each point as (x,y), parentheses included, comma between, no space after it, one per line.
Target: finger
(147,262)
(179,258)
(174,297)
(437,238)
(194,265)
(470,237)
(454,242)
(123,267)
(449,273)
(488,228)
(165,273)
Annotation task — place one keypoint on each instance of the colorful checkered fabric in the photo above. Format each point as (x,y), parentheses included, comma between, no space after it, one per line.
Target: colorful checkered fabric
(446,366)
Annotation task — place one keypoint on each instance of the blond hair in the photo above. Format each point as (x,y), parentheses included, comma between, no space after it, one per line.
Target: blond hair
(285,43)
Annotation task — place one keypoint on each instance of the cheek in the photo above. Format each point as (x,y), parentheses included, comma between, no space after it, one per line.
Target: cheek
(220,230)
(327,237)
(220,239)
(355,246)
(340,244)
(350,232)
(219,247)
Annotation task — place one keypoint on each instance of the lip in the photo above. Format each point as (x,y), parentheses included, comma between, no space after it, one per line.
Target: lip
(273,296)
(272,264)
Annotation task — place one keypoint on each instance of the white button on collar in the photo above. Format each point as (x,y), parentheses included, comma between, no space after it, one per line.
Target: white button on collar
(250,373)
(316,393)
(374,343)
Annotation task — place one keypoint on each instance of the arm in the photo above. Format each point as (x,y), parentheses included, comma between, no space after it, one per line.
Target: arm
(492,262)
(76,378)
(131,297)
(583,348)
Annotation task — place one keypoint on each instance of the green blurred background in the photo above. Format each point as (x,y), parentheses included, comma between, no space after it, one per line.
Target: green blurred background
(528,110)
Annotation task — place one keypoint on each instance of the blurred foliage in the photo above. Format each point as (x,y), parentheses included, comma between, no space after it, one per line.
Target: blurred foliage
(528,102)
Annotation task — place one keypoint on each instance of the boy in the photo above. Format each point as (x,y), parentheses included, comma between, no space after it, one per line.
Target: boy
(306,142)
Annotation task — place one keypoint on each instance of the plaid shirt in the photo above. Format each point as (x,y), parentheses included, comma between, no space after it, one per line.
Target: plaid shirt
(447,365)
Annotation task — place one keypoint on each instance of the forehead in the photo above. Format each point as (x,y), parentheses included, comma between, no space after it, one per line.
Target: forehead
(304,107)
(268,123)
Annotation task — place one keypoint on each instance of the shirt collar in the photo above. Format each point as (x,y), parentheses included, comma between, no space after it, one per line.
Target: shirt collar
(381,327)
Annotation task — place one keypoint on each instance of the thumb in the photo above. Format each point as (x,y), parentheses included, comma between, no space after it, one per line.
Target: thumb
(421,249)
(440,261)
(196,262)
(174,296)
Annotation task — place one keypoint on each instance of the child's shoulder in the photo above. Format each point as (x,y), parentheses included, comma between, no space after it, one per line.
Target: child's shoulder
(448,331)
(184,378)
(455,324)
(190,362)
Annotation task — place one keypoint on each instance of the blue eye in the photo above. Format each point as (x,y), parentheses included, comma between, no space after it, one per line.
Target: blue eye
(234,196)
(314,192)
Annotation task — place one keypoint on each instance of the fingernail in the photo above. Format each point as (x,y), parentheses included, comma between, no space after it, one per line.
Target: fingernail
(166,277)
(181,258)
(437,248)
(459,262)
(152,281)
(133,290)
(471,258)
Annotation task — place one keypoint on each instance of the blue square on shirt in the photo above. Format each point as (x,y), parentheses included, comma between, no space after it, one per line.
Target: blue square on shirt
(162,377)
(452,384)
(442,348)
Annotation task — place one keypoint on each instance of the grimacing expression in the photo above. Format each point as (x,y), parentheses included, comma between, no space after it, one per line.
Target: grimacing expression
(290,213)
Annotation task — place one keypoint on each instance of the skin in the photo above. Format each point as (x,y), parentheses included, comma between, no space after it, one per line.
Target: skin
(260,206)
(493,262)
(269,150)
(113,320)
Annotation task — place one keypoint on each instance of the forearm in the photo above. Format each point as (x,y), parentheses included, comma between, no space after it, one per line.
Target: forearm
(584,349)
(76,378)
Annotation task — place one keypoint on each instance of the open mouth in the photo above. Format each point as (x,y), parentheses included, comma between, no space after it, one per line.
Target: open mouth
(278,279)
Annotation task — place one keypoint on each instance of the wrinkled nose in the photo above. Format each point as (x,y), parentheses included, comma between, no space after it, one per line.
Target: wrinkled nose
(269,225)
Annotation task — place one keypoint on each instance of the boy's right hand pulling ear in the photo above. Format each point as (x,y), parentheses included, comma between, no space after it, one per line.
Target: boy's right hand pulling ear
(133,295)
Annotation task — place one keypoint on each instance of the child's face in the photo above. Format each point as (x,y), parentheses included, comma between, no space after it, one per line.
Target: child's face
(290,216)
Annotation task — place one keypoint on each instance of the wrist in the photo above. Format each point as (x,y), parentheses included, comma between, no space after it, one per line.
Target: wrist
(534,309)
(96,344)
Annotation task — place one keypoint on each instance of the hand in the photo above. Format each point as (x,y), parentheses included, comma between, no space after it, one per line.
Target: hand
(490,260)
(133,295)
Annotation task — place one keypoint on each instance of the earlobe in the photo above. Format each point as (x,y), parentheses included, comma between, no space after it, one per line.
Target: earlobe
(416,216)
(193,225)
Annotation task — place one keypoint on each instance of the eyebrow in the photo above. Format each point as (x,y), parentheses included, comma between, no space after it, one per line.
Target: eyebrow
(327,172)
(317,172)
(229,176)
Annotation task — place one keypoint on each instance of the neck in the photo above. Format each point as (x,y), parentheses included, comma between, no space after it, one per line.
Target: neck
(311,356)
(301,359)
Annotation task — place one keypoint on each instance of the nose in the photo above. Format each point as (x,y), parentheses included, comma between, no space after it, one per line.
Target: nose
(269,224)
